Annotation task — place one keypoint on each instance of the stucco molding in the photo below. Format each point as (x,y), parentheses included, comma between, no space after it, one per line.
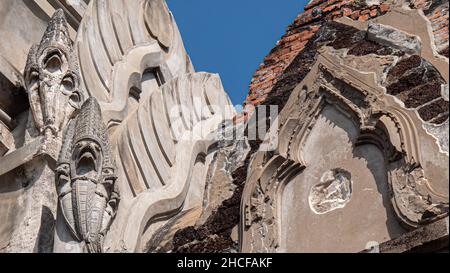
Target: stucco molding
(381,120)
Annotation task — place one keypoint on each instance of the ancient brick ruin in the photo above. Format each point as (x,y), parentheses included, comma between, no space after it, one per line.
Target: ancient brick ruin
(110,141)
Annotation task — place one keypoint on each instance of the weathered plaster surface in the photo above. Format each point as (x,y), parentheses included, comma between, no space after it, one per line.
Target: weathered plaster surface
(331,146)
(361,157)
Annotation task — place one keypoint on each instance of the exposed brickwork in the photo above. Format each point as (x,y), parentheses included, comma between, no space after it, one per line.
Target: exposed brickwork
(429,112)
(332,34)
(215,235)
(297,36)
(444,52)
(423,94)
(308,23)
(437,13)
(412,79)
(403,66)
(439,19)
(418,84)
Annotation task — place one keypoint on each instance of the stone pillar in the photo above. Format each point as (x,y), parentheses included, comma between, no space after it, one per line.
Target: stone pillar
(28,194)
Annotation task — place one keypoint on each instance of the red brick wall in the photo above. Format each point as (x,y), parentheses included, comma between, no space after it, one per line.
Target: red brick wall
(309,22)
(438,16)
(437,13)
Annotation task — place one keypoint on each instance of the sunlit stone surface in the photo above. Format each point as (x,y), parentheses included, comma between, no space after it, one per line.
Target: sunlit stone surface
(110,141)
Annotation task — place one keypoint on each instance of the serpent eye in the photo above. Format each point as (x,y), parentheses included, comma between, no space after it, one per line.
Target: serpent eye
(68,84)
(33,81)
(75,99)
(53,63)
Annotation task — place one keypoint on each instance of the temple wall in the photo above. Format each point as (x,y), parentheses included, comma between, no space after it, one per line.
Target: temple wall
(275,64)
(360,157)
(310,225)
(284,69)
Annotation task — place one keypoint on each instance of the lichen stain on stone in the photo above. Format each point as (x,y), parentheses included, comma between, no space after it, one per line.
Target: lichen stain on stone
(333,192)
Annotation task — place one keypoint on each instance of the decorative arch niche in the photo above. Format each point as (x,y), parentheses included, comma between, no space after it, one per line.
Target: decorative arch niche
(348,169)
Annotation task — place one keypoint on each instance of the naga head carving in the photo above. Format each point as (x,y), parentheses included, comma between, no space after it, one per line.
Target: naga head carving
(86,177)
(52,78)
(90,157)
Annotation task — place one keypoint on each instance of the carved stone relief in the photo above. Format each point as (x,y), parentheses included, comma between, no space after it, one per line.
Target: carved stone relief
(52,78)
(118,42)
(333,192)
(163,165)
(159,21)
(417,196)
(86,182)
(363,138)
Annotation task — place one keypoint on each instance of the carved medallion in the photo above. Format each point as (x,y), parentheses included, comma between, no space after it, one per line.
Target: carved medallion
(333,192)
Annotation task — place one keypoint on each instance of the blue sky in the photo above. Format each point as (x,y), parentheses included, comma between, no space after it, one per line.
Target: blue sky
(232,37)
